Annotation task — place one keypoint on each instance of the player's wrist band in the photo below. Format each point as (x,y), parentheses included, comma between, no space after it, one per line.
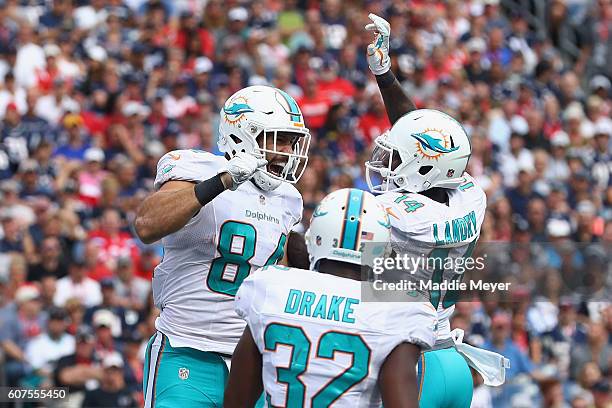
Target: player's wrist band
(386,79)
(207,190)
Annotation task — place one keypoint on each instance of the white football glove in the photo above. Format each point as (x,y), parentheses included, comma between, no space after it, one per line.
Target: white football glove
(378,50)
(241,167)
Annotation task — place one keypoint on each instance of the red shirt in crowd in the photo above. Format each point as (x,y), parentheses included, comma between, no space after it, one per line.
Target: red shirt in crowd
(315,108)
(112,247)
(337,90)
(372,125)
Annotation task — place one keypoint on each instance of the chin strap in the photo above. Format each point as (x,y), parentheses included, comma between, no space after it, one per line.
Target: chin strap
(265,182)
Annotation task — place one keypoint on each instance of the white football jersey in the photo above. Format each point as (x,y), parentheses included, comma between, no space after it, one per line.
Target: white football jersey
(319,342)
(205,262)
(424,228)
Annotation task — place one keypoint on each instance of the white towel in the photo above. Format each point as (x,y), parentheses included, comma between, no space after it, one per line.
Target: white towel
(492,366)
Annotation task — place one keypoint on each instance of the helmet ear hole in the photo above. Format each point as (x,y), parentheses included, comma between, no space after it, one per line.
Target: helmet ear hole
(423,170)
(233,152)
(235,138)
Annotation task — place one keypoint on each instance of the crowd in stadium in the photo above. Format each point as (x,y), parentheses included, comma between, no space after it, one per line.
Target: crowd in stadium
(93,93)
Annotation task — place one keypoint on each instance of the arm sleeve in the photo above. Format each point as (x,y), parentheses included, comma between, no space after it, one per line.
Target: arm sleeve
(187,165)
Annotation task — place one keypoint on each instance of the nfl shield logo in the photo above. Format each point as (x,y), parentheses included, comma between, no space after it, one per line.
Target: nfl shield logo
(262,199)
(183,373)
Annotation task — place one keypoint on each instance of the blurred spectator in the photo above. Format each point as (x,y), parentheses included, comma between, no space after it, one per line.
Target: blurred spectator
(502,343)
(91,176)
(114,242)
(19,325)
(107,326)
(596,348)
(80,370)
(75,141)
(112,391)
(51,261)
(45,349)
(132,290)
(77,285)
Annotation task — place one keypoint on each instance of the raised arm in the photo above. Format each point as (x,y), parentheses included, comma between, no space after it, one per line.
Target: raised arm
(170,209)
(397,102)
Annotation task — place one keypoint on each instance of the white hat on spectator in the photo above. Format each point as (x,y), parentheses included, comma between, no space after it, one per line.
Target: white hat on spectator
(26,293)
(155,149)
(113,359)
(257,80)
(10,186)
(560,139)
(202,65)
(573,111)
(476,9)
(519,125)
(599,81)
(51,50)
(94,154)
(586,207)
(135,108)
(557,228)
(97,53)
(603,127)
(476,44)
(105,317)
(238,14)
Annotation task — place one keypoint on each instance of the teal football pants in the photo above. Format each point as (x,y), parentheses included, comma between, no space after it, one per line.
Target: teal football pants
(445,380)
(182,376)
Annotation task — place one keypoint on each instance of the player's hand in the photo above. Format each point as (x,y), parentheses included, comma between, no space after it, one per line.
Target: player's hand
(241,167)
(378,50)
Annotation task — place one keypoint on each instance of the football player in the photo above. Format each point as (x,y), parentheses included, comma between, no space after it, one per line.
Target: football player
(418,170)
(220,219)
(311,340)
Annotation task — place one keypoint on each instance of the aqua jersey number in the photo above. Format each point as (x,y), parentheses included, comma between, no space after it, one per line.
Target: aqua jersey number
(218,279)
(329,344)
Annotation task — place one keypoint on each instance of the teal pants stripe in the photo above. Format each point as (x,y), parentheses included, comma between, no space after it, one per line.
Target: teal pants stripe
(182,377)
(445,380)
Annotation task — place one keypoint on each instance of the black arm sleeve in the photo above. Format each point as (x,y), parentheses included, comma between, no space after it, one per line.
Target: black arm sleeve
(207,190)
(397,102)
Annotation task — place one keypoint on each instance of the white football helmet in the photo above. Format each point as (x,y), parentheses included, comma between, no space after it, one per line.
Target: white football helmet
(251,121)
(425,148)
(342,223)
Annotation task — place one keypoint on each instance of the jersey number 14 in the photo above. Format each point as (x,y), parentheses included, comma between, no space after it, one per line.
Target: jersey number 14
(218,280)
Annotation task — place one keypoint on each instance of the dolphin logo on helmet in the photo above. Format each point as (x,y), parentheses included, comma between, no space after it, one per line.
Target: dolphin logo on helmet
(237,109)
(429,142)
